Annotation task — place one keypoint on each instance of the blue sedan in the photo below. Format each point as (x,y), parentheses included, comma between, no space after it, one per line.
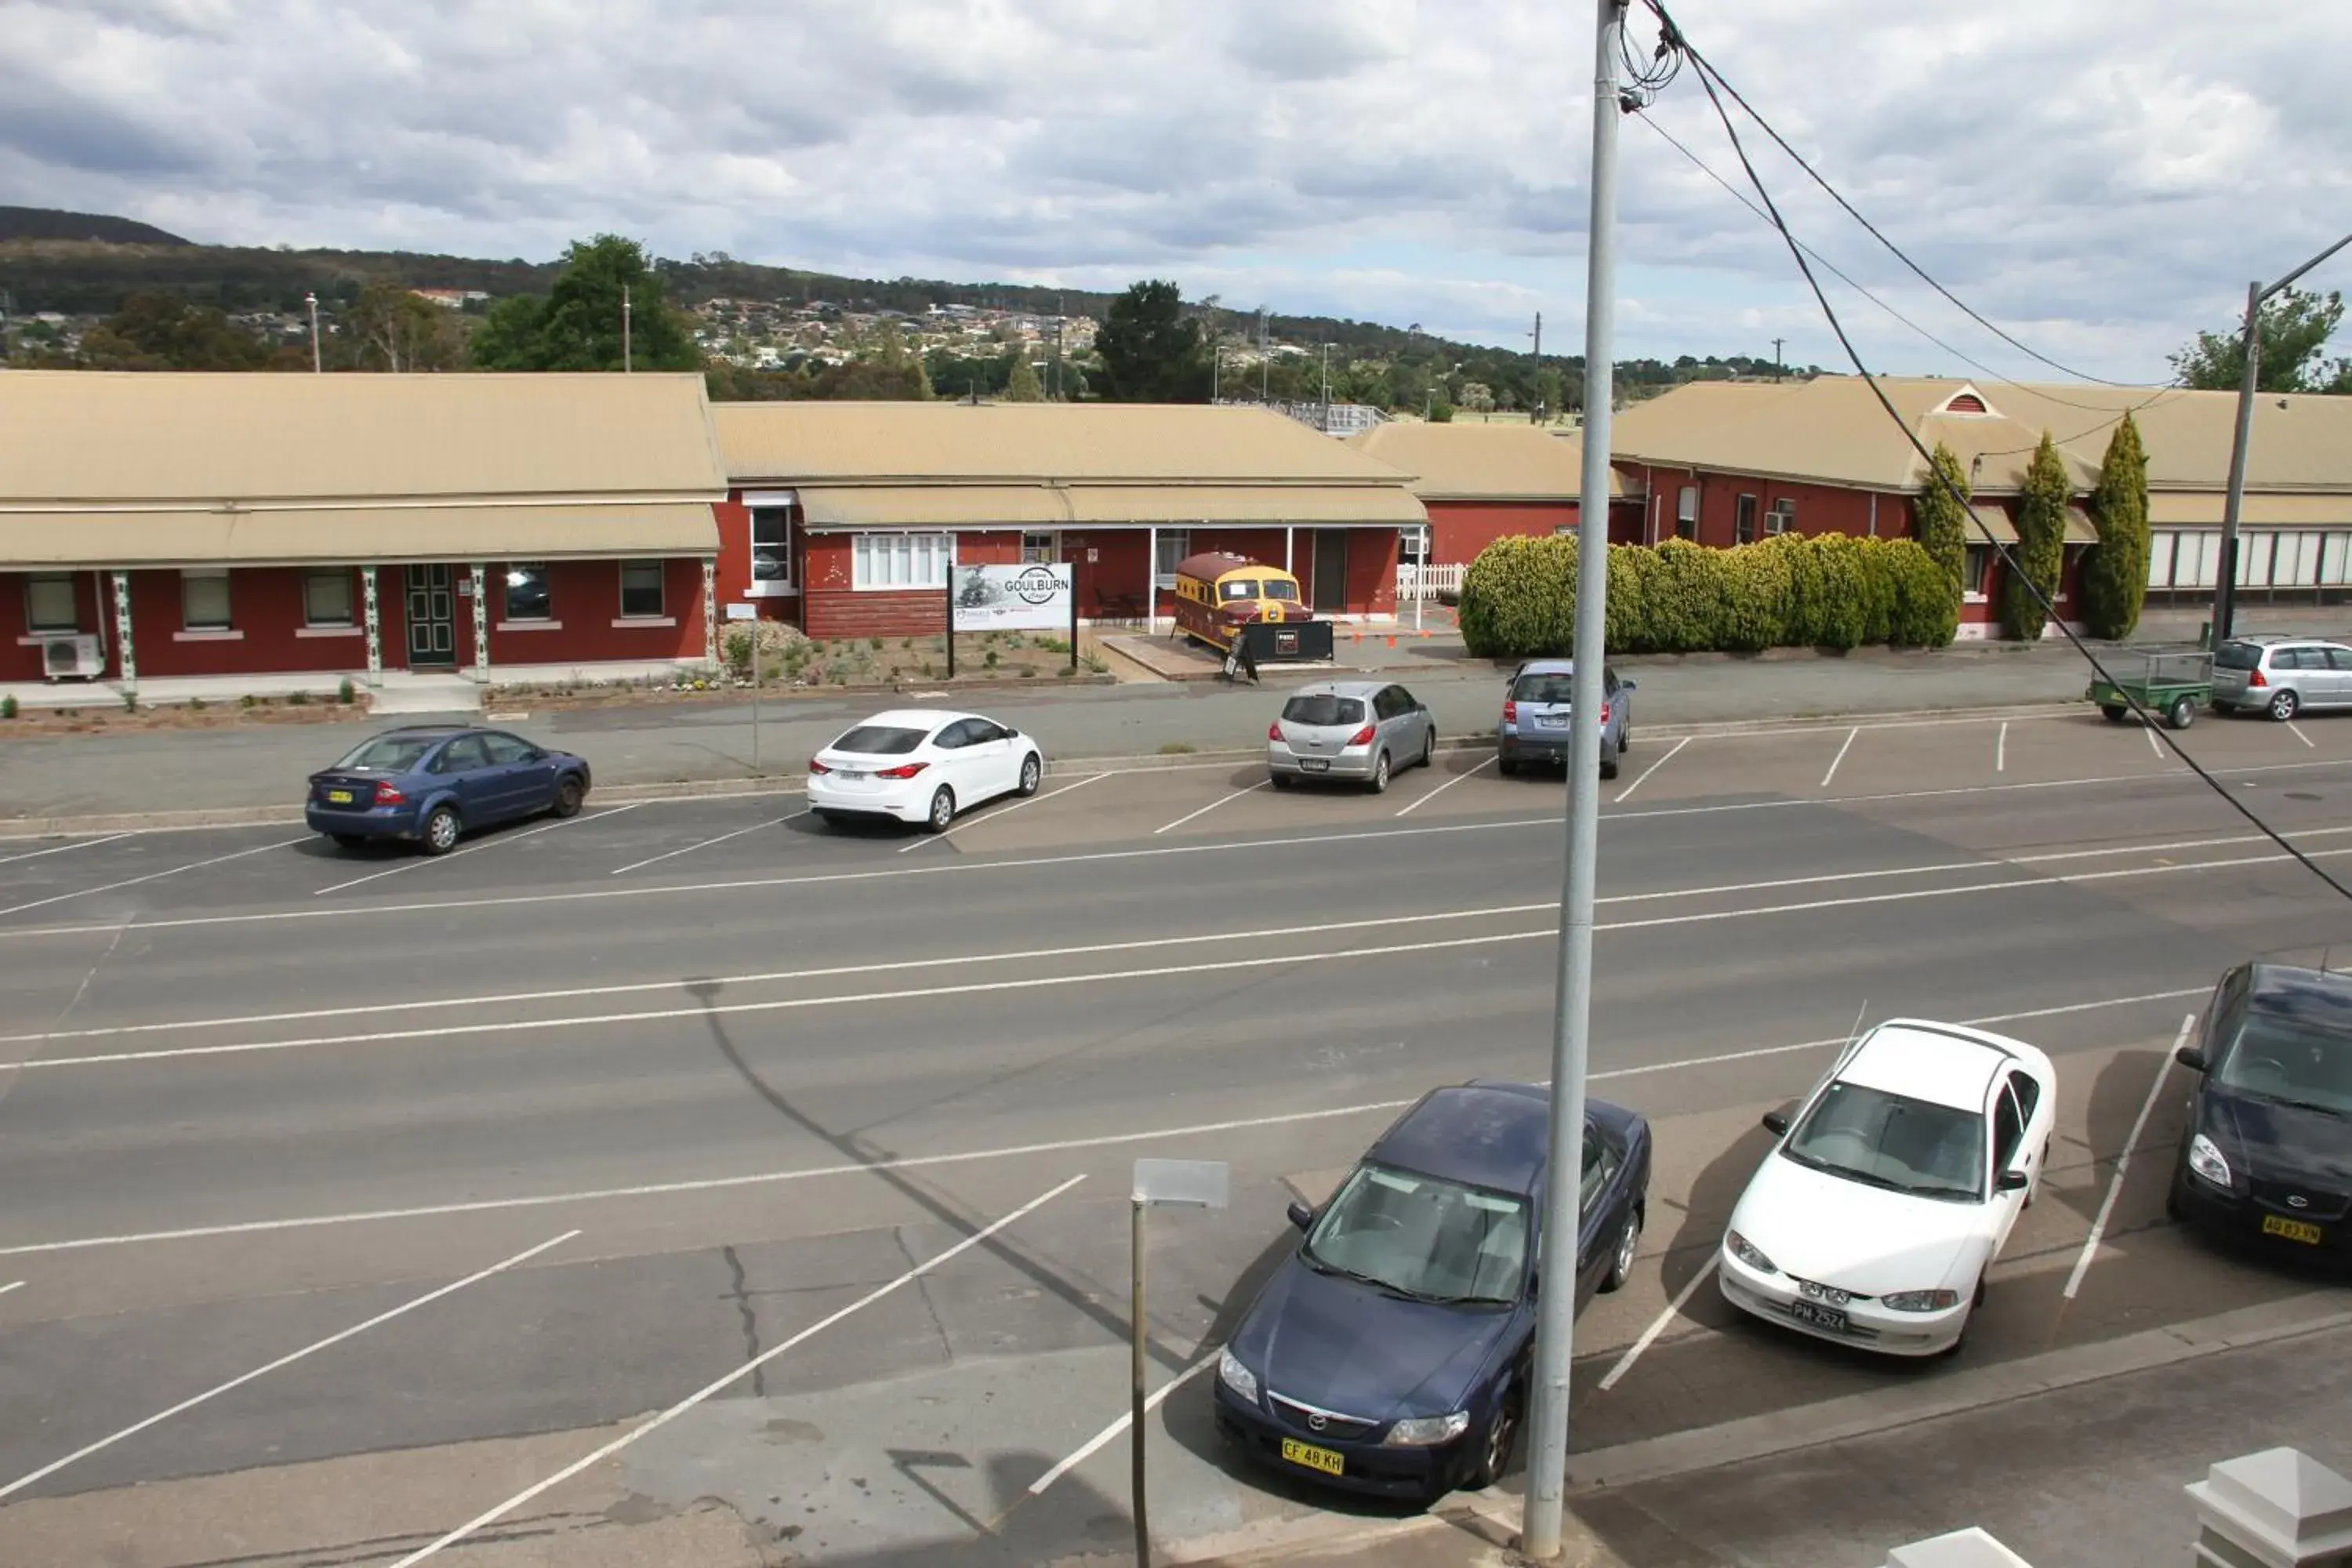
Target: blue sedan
(432,784)
(1391,1352)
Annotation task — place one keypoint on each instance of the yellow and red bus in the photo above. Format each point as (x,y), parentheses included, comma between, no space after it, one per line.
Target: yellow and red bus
(1219,593)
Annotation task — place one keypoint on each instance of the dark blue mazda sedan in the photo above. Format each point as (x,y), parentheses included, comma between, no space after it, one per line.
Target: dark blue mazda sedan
(433,782)
(1391,1352)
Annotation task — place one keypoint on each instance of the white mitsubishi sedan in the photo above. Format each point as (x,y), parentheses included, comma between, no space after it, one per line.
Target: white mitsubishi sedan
(920,765)
(1874,1220)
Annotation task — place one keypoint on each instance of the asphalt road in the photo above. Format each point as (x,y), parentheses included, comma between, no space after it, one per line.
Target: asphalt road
(512,1150)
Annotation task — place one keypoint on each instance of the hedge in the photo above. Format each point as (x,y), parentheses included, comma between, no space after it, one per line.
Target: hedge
(1832,591)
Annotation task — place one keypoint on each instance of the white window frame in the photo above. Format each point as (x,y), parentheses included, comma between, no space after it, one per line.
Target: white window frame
(1973,573)
(1687,505)
(317,574)
(193,574)
(756,502)
(900,562)
(661,588)
(1041,548)
(1751,529)
(1413,544)
(1175,544)
(33,626)
(1780,518)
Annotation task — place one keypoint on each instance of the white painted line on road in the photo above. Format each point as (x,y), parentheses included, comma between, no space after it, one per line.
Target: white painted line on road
(152,877)
(1212,806)
(2123,1163)
(94,843)
(2153,743)
(1006,811)
(2296,730)
(1626,793)
(719,1385)
(924,1162)
(414,861)
(1849,734)
(707,843)
(1419,801)
(2001,749)
(21,1482)
(13,1285)
(1092,1445)
(1658,1325)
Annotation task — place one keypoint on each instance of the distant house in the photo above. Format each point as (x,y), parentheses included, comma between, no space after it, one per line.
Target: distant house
(451,299)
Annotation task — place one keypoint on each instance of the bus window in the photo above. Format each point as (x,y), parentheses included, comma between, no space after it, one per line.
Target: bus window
(1237,588)
(1275,588)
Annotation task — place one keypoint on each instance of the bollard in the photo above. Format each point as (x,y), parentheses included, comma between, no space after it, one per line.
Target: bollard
(1970,1548)
(2277,1509)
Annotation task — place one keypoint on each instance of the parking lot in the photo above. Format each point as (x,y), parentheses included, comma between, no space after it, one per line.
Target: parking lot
(690,1178)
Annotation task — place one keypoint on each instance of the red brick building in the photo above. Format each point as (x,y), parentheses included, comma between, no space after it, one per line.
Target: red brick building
(1483,482)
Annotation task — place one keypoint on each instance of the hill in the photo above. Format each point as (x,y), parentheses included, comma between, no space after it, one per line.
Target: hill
(48,223)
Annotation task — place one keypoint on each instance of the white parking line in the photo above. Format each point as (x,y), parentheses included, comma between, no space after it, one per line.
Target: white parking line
(1005,811)
(1210,807)
(707,843)
(2123,1163)
(1152,1401)
(1658,1325)
(21,1482)
(2001,749)
(1849,734)
(974,1156)
(2296,730)
(1419,801)
(94,843)
(12,1285)
(2153,743)
(719,1385)
(1626,793)
(151,876)
(474,849)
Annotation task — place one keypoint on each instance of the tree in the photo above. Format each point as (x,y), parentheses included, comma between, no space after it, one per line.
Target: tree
(389,328)
(2115,572)
(2040,548)
(163,331)
(2296,328)
(1023,385)
(577,325)
(1942,522)
(1151,352)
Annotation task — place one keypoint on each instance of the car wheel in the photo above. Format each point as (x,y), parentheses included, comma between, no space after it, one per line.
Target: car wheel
(441,830)
(1379,779)
(1429,746)
(1629,1242)
(568,796)
(2183,713)
(1032,770)
(347,841)
(1280,781)
(942,810)
(1507,766)
(2113,711)
(2284,706)
(1608,766)
(1494,1447)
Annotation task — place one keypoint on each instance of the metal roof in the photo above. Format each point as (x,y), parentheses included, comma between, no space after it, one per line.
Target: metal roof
(1457,461)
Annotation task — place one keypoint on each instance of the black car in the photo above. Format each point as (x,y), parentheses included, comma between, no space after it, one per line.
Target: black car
(1389,1353)
(2267,1154)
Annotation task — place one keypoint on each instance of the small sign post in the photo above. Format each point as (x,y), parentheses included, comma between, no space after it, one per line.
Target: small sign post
(1159,1183)
(751,613)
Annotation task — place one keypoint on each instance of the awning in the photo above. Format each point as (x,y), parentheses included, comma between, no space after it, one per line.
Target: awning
(338,536)
(2079,527)
(1109,506)
(935,506)
(2202,509)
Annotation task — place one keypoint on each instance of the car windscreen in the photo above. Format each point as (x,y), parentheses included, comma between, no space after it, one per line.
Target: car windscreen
(880,741)
(1323,709)
(390,754)
(2238,655)
(1419,1237)
(1559,689)
(2297,1061)
(1237,588)
(1891,1141)
(1274,589)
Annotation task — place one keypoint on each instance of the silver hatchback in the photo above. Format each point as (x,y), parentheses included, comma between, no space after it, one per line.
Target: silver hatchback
(2280,676)
(1360,731)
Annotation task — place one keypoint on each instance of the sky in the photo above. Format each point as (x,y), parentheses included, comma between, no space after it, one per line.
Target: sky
(2100,178)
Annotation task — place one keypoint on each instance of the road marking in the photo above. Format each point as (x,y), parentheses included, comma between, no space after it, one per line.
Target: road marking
(413,862)
(2296,730)
(1849,734)
(1152,1401)
(94,843)
(2123,1163)
(1658,1325)
(994,816)
(310,1349)
(2154,745)
(13,1285)
(2001,749)
(1626,793)
(966,1157)
(1416,804)
(153,876)
(705,844)
(1212,806)
(655,1424)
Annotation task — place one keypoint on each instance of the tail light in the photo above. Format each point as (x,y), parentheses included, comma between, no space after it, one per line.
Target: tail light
(817,767)
(1604,715)
(1511,712)
(903,770)
(387,795)
(2255,677)
(1273,730)
(1362,737)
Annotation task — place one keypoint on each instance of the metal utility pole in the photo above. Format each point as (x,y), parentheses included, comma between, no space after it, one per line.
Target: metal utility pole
(1546,1447)
(1776,357)
(1538,367)
(317,363)
(2225,581)
(628,361)
(1058,318)
(1326,387)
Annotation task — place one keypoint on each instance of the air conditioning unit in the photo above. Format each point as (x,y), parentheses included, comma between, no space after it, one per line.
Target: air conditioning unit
(72,658)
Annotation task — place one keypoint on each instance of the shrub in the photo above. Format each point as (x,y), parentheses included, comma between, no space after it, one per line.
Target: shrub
(1518,597)
(8,706)
(247,700)
(299,698)
(2114,570)
(196,704)
(1926,613)
(2040,548)
(344,693)
(130,702)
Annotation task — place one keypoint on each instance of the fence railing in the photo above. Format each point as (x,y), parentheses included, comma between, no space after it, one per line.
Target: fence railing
(1427,581)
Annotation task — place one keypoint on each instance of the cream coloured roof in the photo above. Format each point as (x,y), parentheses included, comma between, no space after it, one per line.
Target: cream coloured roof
(1483,462)
(297,536)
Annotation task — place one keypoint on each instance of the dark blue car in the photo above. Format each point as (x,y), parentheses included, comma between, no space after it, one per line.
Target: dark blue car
(432,784)
(1391,1352)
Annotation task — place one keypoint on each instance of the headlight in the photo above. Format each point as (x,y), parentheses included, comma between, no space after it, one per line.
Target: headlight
(1739,1248)
(1235,1376)
(1423,1431)
(2207,1162)
(1920,1301)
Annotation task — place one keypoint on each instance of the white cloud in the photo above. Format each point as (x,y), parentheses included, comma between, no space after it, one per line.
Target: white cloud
(2100,174)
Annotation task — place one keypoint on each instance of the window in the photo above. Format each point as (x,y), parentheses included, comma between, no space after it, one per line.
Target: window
(1743,528)
(1237,588)
(1040,549)
(327,597)
(2008,1130)
(1601,1162)
(504,750)
(1421,1235)
(1686,509)
(51,604)
(1972,575)
(1781,517)
(1175,544)
(527,595)
(771,549)
(462,756)
(879,741)
(2340,660)
(641,588)
(883,561)
(1413,543)
(203,599)
(1323,710)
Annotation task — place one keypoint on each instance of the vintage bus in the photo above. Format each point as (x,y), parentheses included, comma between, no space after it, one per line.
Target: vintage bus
(1222,598)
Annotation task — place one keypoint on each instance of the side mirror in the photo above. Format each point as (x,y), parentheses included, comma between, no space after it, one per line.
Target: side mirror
(2012,1181)
(1776,1123)
(1625,685)
(2193,1059)
(1301,1215)
(1010,733)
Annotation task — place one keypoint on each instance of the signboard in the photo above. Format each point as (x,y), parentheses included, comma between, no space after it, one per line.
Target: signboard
(1035,597)
(742,612)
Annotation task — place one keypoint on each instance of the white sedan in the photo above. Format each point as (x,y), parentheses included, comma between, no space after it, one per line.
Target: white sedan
(1874,1221)
(920,765)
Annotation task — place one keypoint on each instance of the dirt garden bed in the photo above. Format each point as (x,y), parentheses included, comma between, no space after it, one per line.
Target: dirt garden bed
(119,717)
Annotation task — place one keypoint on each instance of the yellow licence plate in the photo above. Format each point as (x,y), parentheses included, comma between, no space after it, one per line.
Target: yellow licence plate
(2292,1229)
(339,797)
(1314,1459)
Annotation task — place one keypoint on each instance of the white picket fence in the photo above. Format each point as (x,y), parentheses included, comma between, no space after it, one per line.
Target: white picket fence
(1427,581)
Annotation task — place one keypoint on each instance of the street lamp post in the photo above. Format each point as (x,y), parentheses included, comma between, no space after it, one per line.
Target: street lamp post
(317,361)
(1327,387)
